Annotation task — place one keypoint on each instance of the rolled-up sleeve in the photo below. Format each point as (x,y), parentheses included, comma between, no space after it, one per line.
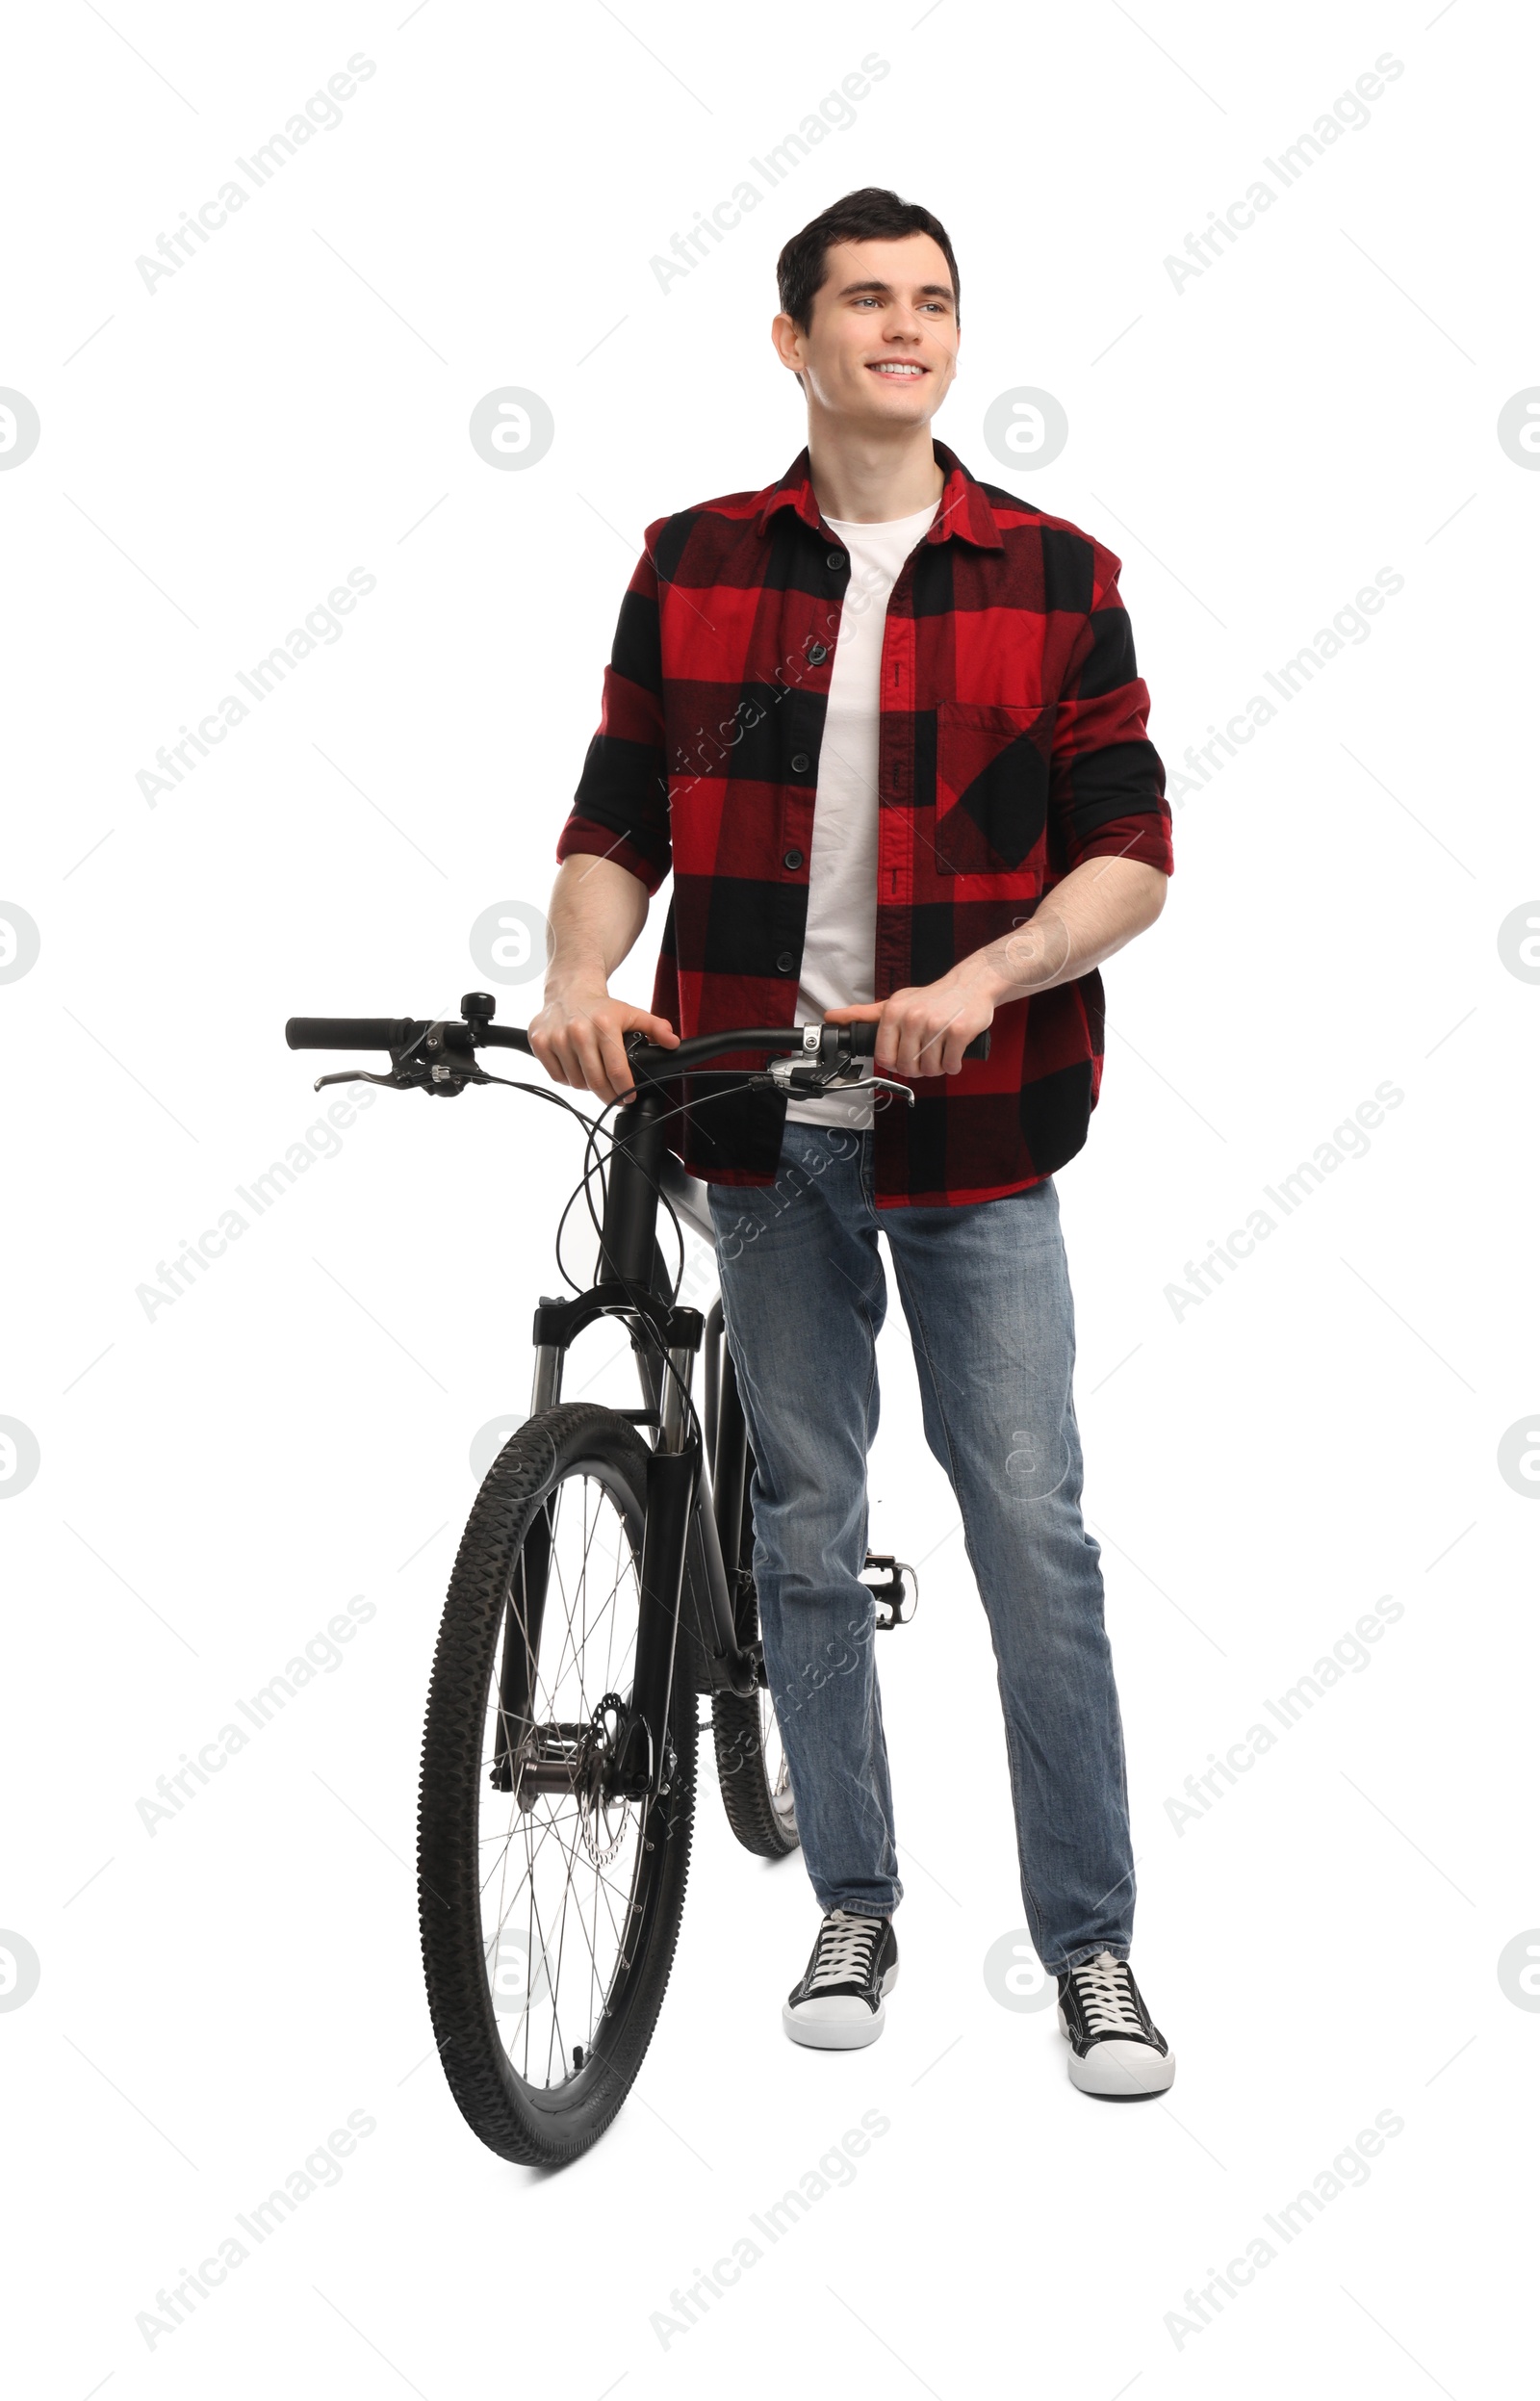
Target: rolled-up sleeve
(620,809)
(1108,785)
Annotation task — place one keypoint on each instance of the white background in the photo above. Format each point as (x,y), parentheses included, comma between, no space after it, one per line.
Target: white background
(216,455)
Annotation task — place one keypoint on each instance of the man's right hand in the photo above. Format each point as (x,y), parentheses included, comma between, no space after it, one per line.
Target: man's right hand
(579,1038)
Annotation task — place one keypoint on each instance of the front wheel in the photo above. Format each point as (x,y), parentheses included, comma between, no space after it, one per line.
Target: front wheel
(550,1907)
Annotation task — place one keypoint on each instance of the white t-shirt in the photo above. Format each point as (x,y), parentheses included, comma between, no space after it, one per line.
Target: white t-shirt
(839,951)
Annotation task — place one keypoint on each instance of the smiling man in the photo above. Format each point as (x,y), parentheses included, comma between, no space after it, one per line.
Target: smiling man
(883,724)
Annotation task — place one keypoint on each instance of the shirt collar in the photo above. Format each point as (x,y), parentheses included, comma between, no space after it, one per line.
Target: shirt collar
(964,506)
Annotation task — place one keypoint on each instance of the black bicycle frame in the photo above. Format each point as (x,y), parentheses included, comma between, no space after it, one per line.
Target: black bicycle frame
(695,1511)
(683,1527)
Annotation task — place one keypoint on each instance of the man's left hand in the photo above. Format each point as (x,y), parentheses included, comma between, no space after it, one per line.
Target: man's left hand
(924,1029)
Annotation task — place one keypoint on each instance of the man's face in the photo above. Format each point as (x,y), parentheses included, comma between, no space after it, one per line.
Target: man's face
(881,347)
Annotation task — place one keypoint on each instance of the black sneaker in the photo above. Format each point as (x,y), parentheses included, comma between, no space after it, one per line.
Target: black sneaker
(838,2004)
(1116,2050)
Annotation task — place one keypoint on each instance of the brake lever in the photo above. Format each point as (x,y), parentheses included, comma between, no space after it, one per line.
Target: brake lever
(411,1069)
(421,1078)
(352,1075)
(812,1082)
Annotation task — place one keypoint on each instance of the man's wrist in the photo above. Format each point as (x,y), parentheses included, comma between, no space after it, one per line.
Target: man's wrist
(1005,969)
(586,983)
(1029,959)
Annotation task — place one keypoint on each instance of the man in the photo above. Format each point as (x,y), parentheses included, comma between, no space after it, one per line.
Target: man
(884,723)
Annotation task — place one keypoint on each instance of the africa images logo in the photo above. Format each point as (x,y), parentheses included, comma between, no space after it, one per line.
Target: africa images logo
(836,113)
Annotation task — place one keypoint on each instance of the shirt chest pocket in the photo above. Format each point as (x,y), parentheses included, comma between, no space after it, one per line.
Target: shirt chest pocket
(991,785)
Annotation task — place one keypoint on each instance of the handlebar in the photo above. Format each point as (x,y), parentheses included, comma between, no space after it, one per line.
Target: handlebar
(648,1059)
(388,1033)
(438,1054)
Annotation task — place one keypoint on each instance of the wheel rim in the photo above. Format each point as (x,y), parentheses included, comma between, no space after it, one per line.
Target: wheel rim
(562,1878)
(776,1772)
(772,1749)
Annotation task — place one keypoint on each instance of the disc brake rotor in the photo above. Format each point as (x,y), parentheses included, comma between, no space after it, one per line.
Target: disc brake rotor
(594,1805)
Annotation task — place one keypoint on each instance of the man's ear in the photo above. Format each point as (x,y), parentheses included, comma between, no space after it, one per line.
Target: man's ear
(777,323)
(779,318)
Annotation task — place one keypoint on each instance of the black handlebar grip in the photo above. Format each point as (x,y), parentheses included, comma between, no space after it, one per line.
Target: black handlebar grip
(863,1041)
(350,1033)
(506,1037)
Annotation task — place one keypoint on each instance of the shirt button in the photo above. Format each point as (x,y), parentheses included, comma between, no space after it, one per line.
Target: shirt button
(799,765)
(786,963)
(836,560)
(817,655)
(792,859)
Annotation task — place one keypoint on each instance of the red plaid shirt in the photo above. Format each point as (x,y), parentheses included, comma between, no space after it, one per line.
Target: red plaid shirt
(1012,747)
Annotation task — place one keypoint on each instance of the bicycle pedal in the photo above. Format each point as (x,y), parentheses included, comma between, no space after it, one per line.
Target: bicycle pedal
(894,1591)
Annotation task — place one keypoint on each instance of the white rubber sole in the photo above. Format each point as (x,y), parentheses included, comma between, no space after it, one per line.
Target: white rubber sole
(1115,2071)
(844,2033)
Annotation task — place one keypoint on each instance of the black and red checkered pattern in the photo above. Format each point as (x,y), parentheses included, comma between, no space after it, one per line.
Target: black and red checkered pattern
(1013,746)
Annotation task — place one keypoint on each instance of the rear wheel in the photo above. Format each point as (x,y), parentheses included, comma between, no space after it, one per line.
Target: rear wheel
(751,1759)
(550,1908)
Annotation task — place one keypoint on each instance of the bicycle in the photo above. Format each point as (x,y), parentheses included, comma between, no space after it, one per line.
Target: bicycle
(604,1581)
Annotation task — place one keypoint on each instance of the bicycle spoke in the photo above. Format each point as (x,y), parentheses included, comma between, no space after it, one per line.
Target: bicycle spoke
(568,1640)
(546,1876)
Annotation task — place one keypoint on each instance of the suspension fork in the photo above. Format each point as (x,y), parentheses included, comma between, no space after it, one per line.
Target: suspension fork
(627,1242)
(677,1503)
(673,1490)
(644,1766)
(524,1609)
(682,1505)
(524,1617)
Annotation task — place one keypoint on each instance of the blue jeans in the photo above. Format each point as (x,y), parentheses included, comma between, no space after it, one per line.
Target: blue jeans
(986,1291)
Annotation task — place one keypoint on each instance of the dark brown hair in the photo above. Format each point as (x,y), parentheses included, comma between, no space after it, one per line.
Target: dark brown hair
(870,215)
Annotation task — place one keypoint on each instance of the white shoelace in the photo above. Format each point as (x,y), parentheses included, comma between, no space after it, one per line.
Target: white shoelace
(845,1949)
(1108,2002)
